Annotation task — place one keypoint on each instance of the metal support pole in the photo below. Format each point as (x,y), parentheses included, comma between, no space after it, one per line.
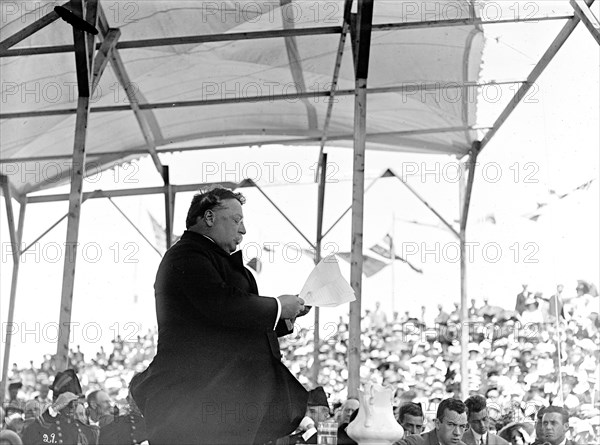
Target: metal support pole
(360,114)
(561,396)
(16,237)
(66,302)
(464,313)
(320,206)
(362,46)
(169,204)
(82,60)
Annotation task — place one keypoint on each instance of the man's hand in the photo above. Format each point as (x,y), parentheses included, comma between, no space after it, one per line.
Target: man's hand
(63,400)
(291,306)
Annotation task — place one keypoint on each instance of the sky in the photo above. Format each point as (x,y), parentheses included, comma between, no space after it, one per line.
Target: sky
(547,148)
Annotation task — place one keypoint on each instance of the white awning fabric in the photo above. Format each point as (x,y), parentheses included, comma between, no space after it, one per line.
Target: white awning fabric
(203,92)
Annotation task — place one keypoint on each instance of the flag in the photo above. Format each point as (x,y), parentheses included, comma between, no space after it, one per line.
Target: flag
(386,252)
(255,264)
(370,265)
(534,216)
(160,235)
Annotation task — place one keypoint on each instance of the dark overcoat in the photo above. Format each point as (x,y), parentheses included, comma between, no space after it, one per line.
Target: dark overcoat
(217,377)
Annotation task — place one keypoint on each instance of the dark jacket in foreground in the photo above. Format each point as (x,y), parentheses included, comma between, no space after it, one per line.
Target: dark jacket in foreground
(428,438)
(217,376)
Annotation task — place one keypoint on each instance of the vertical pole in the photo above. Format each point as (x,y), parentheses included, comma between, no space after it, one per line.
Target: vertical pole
(464,313)
(393,261)
(16,238)
(362,48)
(68,282)
(320,206)
(82,60)
(558,350)
(464,317)
(169,198)
(358,187)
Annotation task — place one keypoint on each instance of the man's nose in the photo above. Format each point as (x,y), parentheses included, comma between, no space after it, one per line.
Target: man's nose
(242,229)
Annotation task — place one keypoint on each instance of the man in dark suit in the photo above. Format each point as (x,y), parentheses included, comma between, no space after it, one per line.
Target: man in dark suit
(450,424)
(555,425)
(477,416)
(317,410)
(521,297)
(128,428)
(217,376)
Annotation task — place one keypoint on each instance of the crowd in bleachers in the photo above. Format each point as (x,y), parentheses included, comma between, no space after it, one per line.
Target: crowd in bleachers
(544,352)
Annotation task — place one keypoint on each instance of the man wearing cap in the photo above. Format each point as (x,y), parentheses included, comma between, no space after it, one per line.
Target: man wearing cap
(477,416)
(14,401)
(317,410)
(555,424)
(217,376)
(450,424)
(58,423)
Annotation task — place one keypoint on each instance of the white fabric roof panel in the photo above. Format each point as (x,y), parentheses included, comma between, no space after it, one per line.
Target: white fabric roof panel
(238,69)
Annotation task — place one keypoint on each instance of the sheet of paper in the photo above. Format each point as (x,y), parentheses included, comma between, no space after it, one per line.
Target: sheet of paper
(325,286)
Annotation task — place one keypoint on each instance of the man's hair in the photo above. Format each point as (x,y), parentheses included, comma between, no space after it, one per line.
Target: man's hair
(558,409)
(209,200)
(455,405)
(410,408)
(92,397)
(475,404)
(540,413)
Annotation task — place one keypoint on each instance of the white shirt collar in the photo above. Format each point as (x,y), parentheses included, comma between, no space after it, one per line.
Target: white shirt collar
(479,437)
(208,237)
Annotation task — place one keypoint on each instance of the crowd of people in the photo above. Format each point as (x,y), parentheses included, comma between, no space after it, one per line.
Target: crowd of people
(543,353)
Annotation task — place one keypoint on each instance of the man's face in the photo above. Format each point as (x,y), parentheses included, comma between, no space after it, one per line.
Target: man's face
(451,428)
(318,413)
(479,421)
(44,391)
(80,414)
(554,428)
(516,438)
(412,424)
(102,407)
(228,225)
(348,409)
(539,430)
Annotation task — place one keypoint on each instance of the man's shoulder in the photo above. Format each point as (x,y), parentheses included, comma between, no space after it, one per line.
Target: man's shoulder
(494,439)
(427,438)
(468,437)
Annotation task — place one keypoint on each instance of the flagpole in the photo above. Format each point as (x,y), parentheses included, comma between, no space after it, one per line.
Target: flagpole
(392,260)
(558,349)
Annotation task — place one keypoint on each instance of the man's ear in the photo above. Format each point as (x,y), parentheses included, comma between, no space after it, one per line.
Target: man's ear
(209,217)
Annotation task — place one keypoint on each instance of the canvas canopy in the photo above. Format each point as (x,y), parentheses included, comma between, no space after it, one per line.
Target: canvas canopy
(230,88)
